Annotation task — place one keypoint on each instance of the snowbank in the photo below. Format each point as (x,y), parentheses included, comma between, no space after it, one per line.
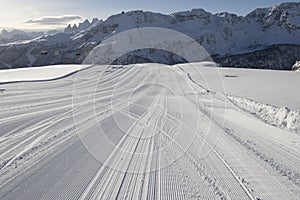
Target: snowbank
(38,73)
(280,117)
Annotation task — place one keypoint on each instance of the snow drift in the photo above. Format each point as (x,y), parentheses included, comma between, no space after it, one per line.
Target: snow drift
(280,117)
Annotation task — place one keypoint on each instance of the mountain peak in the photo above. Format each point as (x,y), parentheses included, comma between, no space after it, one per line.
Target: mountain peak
(287,5)
(191,14)
(81,26)
(286,15)
(275,10)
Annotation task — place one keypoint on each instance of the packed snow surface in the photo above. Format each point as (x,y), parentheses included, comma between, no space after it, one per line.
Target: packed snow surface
(38,73)
(146,131)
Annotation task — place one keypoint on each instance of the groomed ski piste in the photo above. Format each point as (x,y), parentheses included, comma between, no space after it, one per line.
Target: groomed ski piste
(149,131)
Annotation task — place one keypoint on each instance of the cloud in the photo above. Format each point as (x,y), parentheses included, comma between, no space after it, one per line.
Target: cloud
(54,20)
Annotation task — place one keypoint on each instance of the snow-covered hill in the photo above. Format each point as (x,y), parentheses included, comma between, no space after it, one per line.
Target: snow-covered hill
(44,73)
(222,35)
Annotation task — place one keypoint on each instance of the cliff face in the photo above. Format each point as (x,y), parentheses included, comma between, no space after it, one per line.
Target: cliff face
(265,38)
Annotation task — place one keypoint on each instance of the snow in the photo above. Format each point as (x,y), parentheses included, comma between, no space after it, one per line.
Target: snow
(295,21)
(38,73)
(280,117)
(30,57)
(96,133)
(296,66)
(277,88)
(219,34)
(266,94)
(152,131)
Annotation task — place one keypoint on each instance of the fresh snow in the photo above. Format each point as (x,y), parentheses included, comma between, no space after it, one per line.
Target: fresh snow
(277,88)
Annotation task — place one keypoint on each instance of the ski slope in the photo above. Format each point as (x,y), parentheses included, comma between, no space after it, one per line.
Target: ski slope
(272,87)
(38,73)
(146,131)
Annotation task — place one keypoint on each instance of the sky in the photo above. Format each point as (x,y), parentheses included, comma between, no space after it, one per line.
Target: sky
(51,14)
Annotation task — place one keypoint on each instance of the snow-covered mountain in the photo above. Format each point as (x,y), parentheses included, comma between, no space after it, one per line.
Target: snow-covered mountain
(17,35)
(82,26)
(223,35)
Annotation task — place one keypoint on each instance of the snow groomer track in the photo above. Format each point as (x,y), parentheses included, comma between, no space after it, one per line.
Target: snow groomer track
(145,131)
